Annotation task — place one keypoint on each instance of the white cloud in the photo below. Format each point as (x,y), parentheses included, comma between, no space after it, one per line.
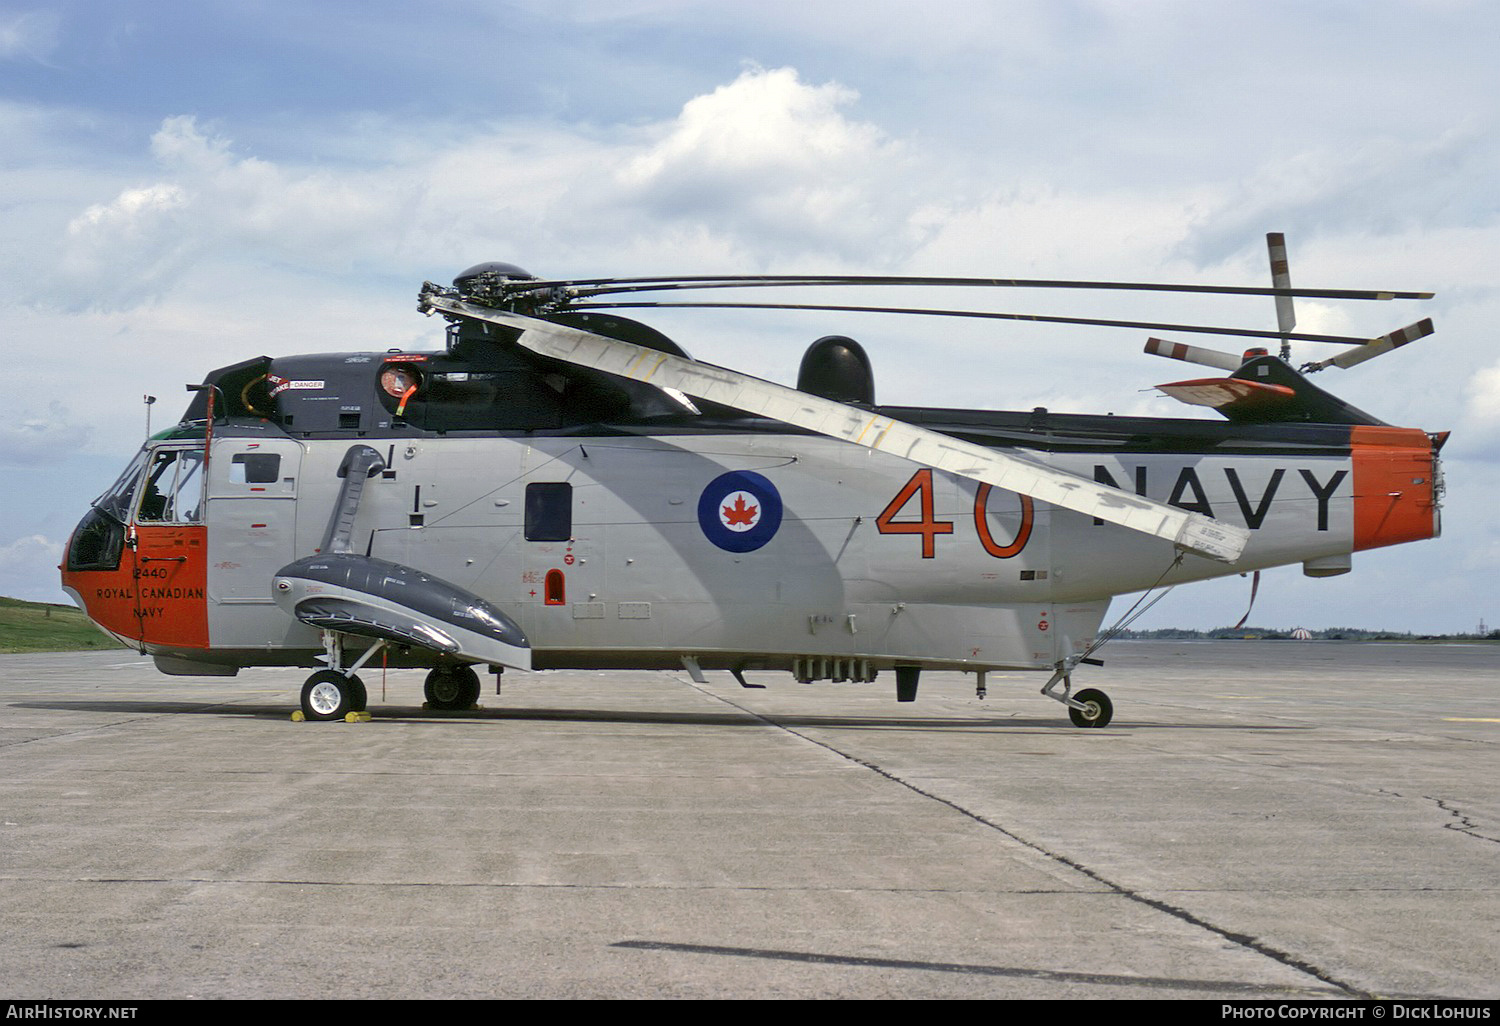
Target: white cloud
(765,168)
(772,162)
(1479,433)
(1484,395)
(762,122)
(29,35)
(28,568)
(217,206)
(31,438)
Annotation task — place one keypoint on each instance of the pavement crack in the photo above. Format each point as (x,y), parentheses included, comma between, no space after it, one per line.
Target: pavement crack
(1460,822)
(1243,940)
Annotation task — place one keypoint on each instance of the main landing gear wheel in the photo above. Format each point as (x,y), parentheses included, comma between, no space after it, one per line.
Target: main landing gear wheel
(452,687)
(328,695)
(1097,711)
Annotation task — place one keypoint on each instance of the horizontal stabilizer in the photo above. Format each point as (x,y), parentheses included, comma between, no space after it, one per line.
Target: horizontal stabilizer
(1229,394)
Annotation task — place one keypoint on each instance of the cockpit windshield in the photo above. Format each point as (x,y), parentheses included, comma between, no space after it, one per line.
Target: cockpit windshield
(116,500)
(99,539)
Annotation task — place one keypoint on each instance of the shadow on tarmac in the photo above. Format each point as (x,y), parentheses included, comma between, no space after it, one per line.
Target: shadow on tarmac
(417,714)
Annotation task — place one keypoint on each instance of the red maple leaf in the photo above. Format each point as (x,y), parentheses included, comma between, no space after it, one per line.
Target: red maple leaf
(740,513)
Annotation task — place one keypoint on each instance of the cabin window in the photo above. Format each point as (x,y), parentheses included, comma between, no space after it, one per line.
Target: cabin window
(549,511)
(173,493)
(255,468)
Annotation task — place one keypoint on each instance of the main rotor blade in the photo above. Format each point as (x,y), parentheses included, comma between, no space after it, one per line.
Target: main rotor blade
(1200,329)
(606,286)
(1191,531)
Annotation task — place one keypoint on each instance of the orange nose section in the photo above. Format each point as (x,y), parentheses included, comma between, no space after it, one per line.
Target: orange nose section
(1395,486)
(154,592)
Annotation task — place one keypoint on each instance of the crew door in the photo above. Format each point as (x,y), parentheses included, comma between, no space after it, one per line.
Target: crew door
(169,549)
(252,518)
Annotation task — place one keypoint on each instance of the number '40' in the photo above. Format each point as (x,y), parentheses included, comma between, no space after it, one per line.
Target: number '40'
(929,526)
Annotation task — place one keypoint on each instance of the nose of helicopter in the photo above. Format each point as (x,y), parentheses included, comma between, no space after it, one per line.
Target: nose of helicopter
(136,564)
(95,575)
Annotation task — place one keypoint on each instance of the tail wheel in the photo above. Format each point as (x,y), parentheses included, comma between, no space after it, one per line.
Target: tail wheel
(452,687)
(329,695)
(1097,709)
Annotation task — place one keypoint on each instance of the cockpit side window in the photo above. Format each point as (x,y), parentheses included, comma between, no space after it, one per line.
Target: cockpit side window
(173,490)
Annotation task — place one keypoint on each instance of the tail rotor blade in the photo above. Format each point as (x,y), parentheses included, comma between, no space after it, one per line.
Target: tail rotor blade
(1376,346)
(1193,354)
(1281,278)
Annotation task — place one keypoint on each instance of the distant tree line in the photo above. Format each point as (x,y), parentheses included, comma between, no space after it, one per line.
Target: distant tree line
(1287,634)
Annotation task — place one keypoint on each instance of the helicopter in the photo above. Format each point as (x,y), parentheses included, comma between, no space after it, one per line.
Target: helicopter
(563,486)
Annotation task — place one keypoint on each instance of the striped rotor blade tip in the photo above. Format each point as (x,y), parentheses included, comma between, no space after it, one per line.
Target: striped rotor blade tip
(1193,354)
(1384,344)
(1281,278)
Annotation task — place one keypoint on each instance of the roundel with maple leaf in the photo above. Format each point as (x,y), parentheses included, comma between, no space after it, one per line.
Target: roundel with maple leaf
(739,511)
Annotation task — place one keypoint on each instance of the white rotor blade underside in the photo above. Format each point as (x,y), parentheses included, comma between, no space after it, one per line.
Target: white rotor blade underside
(1191,531)
(1194,354)
(1376,346)
(1281,278)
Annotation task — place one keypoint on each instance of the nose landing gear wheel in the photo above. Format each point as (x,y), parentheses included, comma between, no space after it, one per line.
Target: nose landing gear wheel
(328,695)
(452,687)
(1097,711)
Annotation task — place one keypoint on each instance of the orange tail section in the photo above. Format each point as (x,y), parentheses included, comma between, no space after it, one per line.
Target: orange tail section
(1396,487)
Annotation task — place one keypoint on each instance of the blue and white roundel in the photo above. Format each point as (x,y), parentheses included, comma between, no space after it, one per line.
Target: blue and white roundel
(739,511)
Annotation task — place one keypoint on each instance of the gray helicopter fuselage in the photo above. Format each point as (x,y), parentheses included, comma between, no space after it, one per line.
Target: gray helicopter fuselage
(626,548)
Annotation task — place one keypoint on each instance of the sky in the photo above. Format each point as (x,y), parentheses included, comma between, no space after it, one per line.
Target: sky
(186,185)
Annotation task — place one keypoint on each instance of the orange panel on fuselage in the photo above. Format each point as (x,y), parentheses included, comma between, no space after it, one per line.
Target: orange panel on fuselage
(158,594)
